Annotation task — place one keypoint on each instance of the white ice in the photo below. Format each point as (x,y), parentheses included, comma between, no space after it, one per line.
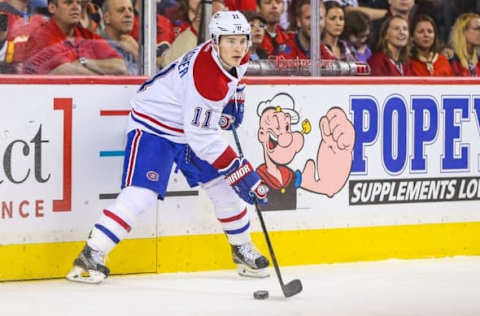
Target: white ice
(439,287)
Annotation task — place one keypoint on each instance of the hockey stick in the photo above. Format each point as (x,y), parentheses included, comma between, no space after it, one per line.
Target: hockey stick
(293,287)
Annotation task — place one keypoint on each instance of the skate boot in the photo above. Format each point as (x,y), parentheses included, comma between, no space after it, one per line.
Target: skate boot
(89,267)
(250,262)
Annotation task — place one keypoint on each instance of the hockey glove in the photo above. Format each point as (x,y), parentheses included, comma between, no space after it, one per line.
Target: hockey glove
(246,182)
(233,111)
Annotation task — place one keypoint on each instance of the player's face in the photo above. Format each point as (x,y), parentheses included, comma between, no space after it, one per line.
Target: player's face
(424,35)
(120,16)
(258,31)
(335,22)
(232,49)
(397,33)
(66,12)
(271,10)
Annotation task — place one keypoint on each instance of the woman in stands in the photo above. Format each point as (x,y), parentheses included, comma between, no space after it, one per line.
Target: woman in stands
(334,26)
(426,59)
(392,55)
(465,42)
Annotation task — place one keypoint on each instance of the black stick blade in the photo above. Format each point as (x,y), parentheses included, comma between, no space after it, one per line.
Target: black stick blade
(292,288)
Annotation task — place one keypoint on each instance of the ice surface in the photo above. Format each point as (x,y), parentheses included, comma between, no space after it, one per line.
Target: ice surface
(448,286)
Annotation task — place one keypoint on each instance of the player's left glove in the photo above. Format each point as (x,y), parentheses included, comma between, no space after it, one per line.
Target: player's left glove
(233,112)
(246,182)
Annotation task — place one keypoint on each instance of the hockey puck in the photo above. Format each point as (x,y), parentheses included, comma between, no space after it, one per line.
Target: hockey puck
(260,295)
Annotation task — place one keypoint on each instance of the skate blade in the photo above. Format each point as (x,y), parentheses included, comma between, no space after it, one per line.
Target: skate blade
(246,271)
(78,274)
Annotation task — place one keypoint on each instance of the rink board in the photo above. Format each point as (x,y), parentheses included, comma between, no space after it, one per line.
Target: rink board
(413,190)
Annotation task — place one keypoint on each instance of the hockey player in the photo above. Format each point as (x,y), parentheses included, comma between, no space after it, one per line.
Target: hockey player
(175,118)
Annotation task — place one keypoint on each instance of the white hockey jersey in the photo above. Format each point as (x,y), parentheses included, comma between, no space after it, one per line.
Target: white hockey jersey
(183,103)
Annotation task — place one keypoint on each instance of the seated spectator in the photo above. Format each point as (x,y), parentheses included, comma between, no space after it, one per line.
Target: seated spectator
(357,34)
(168,8)
(334,26)
(241,5)
(401,8)
(465,42)
(118,20)
(258,25)
(354,5)
(6,47)
(186,13)
(188,39)
(20,25)
(90,16)
(275,40)
(299,42)
(62,46)
(391,58)
(426,59)
(165,31)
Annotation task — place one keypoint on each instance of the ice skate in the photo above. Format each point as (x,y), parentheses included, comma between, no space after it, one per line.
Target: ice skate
(250,262)
(89,267)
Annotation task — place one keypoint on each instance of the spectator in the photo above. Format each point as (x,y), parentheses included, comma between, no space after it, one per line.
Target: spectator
(118,20)
(391,58)
(185,15)
(334,26)
(357,34)
(465,42)
(6,47)
(354,5)
(426,59)
(401,8)
(165,31)
(241,5)
(299,42)
(168,8)
(275,40)
(62,46)
(20,25)
(258,25)
(188,39)
(90,16)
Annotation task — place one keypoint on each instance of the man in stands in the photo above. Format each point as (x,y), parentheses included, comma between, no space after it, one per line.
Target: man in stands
(118,20)
(62,46)
(299,42)
(275,39)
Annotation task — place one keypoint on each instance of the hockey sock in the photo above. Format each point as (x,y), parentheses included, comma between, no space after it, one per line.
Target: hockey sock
(236,226)
(117,220)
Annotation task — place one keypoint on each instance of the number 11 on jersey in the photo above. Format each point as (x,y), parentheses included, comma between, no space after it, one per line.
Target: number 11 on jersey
(197,116)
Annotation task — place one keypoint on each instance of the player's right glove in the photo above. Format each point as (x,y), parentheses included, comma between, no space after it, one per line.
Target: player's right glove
(246,182)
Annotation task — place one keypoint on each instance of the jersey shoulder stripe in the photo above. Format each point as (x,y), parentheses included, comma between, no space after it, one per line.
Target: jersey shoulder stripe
(209,79)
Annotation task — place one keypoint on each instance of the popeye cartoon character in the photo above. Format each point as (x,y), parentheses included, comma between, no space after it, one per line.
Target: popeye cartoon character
(326,175)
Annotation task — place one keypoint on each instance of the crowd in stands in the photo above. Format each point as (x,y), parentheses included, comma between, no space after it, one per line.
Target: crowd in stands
(100,37)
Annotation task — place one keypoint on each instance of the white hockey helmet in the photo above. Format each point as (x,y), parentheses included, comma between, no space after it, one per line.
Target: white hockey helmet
(229,23)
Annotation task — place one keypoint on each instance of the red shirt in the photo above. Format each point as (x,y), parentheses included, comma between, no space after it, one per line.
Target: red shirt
(382,65)
(459,70)
(276,45)
(439,67)
(48,48)
(164,29)
(241,5)
(298,51)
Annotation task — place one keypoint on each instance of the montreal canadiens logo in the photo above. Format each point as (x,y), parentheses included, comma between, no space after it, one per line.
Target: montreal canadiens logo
(152,176)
